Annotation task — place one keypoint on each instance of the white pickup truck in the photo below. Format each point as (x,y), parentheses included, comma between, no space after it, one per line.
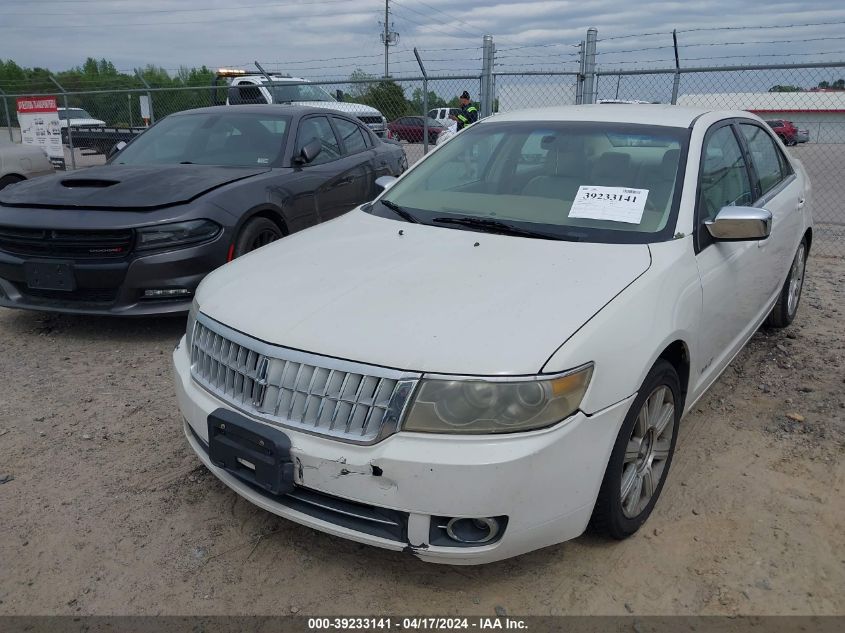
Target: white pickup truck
(245,88)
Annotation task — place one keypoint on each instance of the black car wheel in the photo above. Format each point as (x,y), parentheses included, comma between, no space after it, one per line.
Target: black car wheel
(641,456)
(256,233)
(5,181)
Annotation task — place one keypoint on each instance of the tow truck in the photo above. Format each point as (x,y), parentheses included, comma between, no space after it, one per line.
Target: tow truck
(235,86)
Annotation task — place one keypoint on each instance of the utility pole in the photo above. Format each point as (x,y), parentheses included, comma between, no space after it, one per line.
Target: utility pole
(388,37)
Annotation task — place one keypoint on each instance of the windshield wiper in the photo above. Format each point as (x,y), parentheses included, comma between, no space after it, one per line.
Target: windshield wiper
(400,211)
(487,225)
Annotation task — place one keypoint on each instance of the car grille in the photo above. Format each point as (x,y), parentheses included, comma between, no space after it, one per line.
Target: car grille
(371,120)
(60,298)
(65,243)
(349,401)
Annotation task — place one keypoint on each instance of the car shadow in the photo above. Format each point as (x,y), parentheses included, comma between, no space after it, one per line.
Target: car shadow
(25,323)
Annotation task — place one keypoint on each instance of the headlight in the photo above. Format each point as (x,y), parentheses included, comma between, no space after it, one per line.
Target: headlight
(176,234)
(192,321)
(496,406)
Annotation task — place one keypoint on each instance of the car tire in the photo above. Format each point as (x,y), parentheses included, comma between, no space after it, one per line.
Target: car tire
(641,456)
(256,233)
(786,307)
(5,181)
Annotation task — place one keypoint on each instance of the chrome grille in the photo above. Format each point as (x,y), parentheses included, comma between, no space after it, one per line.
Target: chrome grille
(351,401)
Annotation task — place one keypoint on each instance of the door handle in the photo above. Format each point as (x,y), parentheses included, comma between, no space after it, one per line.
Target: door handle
(343,182)
(801,203)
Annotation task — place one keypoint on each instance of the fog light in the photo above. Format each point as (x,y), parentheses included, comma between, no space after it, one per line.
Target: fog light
(476,531)
(166,293)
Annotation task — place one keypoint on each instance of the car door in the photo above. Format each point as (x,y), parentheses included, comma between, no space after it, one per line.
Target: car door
(324,182)
(361,160)
(781,191)
(733,274)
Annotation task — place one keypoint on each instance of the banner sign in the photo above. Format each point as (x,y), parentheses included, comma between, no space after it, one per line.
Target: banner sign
(38,118)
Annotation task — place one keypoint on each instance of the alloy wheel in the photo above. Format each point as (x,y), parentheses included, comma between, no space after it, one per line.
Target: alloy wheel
(796,280)
(263,238)
(647,452)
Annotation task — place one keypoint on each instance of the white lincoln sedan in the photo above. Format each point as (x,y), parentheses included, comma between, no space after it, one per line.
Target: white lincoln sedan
(497,352)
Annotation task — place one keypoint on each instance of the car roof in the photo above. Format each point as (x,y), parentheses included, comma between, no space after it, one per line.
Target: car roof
(653,114)
(266,108)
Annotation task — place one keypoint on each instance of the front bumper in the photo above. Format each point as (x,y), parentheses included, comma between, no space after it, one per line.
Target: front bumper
(115,286)
(546,482)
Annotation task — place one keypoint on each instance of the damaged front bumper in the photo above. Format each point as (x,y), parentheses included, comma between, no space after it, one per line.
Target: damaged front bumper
(398,493)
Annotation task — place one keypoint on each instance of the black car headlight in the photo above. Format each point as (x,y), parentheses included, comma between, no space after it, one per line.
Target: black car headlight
(175,234)
(475,406)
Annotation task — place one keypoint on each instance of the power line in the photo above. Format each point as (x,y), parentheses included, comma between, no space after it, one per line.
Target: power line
(272,5)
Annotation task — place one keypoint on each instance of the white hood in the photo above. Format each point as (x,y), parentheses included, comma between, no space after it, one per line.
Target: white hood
(427,300)
(83,122)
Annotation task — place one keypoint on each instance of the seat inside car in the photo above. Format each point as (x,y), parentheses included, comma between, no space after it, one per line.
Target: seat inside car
(612,169)
(564,173)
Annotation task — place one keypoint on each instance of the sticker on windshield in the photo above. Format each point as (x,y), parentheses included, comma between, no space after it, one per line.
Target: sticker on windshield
(617,204)
(263,161)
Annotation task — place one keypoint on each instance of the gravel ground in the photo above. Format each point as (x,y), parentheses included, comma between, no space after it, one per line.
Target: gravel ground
(105,510)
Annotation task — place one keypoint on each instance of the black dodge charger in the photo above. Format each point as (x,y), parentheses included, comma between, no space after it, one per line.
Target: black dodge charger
(201,187)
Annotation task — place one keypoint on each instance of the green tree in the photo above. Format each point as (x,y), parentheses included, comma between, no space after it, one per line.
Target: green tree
(780,88)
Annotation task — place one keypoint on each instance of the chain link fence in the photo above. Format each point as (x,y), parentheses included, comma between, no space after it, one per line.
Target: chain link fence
(415,111)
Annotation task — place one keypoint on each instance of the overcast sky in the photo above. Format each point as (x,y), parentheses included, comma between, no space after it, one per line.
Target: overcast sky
(307,37)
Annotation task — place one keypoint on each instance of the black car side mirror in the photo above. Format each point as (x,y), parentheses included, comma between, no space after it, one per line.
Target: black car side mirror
(309,152)
(339,95)
(115,149)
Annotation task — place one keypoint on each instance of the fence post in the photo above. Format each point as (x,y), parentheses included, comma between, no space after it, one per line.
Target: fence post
(425,100)
(69,126)
(8,117)
(579,82)
(677,81)
(149,95)
(487,77)
(589,95)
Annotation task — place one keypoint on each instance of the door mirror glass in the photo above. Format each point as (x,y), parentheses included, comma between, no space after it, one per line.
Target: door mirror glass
(385,182)
(734,224)
(310,151)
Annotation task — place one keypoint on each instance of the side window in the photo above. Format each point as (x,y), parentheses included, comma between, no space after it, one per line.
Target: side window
(352,136)
(765,157)
(534,151)
(724,177)
(318,127)
(248,92)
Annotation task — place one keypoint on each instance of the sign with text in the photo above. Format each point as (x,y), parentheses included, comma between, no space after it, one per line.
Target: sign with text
(38,118)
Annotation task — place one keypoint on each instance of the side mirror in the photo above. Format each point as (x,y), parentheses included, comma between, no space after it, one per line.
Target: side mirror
(309,152)
(385,182)
(735,224)
(116,148)
(338,94)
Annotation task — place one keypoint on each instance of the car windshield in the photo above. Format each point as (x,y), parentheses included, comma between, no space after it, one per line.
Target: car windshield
(300,92)
(583,181)
(219,138)
(74,113)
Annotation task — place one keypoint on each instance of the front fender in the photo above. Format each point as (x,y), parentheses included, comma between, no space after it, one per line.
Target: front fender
(627,336)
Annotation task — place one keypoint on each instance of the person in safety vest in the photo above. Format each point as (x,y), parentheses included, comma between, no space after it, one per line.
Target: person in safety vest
(468,114)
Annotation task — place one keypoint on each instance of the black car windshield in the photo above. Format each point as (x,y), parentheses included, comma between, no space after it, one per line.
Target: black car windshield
(584,181)
(210,138)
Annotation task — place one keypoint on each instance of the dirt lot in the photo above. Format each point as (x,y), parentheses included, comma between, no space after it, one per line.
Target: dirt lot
(108,512)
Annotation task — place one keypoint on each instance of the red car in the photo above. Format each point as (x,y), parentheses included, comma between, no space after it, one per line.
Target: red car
(785,130)
(410,128)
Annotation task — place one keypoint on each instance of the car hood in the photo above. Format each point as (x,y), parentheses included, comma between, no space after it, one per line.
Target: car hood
(84,122)
(357,109)
(418,297)
(124,186)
